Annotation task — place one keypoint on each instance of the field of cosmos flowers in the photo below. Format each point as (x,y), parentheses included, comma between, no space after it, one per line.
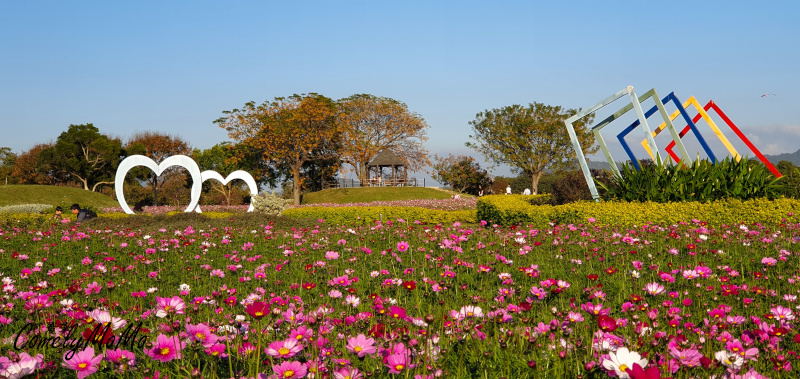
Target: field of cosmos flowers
(399,299)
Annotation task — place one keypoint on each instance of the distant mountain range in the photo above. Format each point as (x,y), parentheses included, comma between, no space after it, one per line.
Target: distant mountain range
(774,159)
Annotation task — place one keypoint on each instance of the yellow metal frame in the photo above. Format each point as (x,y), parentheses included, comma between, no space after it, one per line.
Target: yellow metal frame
(693,102)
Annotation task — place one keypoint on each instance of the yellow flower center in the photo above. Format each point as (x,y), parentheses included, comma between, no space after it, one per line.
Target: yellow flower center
(82,365)
(357,349)
(623,368)
(200,336)
(288,374)
(164,351)
(259,313)
(283,351)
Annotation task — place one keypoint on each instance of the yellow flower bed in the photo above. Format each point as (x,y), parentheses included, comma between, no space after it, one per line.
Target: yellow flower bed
(513,209)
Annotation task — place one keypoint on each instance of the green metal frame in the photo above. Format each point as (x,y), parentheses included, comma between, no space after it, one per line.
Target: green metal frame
(634,104)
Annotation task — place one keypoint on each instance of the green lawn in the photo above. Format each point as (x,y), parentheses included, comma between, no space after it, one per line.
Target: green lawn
(55,195)
(369,194)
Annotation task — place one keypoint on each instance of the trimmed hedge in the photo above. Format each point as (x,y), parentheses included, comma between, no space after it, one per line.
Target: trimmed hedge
(368,215)
(515,209)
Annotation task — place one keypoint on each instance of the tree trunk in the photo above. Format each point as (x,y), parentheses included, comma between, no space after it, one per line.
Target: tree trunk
(155,188)
(296,189)
(535,182)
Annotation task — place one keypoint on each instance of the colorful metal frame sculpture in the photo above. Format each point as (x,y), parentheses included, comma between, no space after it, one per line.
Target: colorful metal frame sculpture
(649,143)
(634,104)
(703,113)
(669,98)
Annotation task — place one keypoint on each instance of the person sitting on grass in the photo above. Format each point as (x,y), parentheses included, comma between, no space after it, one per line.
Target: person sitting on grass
(82,214)
(59,214)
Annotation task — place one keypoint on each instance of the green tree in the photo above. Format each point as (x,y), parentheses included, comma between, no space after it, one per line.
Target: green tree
(85,156)
(7,161)
(220,158)
(530,139)
(285,134)
(790,180)
(461,173)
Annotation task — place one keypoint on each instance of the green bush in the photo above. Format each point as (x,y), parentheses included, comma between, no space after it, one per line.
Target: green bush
(703,181)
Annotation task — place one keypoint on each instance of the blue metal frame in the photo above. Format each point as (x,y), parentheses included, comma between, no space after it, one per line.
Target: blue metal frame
(671,97)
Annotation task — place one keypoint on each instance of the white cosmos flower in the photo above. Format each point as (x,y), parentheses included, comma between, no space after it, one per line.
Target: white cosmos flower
(729,360)
(622,360)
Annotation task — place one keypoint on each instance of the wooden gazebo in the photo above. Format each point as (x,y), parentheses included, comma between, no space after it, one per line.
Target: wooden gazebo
(386,158)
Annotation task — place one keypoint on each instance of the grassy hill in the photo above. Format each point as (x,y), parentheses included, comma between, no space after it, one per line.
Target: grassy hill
(368,194)
(55,195)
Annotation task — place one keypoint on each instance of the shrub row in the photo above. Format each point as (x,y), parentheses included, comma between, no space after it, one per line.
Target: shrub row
(514,209)
(27,208)
(366,215)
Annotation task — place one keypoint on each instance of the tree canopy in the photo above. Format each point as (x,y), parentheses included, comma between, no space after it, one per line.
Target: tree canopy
(371,124)
(157,146)
(530,139)
(286,133)
(461,173)
(84,156)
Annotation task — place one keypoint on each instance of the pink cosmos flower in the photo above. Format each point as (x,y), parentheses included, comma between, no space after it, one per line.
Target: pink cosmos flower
(84,362)
(575,317)
(402,246)
(782,314)
(361,345)
(120,356)
(93,288)
(301,333)
(768,261)
(284,349)
(166,348)
(347,373)
(654,288)
(290,370)
(217,350)
(201,333)
(331,255)
(25,366)
(397,363)
(166,306)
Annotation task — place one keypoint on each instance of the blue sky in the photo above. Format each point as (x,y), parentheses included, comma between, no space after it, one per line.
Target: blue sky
(175,66)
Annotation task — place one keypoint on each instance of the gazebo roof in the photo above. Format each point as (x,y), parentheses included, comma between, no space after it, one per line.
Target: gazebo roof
(386,158)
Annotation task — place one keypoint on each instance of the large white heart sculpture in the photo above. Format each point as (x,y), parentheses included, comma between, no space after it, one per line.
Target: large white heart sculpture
(175,160)
(239,174)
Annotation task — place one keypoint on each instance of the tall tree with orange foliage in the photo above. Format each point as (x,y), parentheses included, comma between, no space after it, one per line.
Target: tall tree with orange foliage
(157,146)
(371,124)
(286,133)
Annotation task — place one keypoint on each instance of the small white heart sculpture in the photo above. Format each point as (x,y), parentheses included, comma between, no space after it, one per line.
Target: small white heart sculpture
(175,160)
(239,174)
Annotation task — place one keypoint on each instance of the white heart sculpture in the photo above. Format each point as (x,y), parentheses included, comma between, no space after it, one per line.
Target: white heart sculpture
(175,160)
(239,174)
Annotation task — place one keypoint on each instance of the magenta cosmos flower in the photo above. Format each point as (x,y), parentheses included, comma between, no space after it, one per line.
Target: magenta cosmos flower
(361,345)
(402,246)
(166,348)
(284,349)
(290,370)
(397,363)
(84,362)
(201,333)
